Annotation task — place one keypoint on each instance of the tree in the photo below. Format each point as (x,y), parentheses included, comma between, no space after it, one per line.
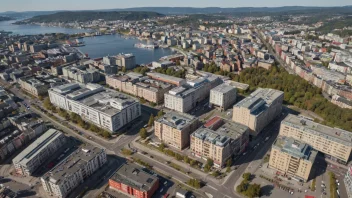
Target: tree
(151,120)
(229,162)
(246,176)
(125,151)
(160,113)
(123,69)
(252,191)
(143,133)
(186,159)
(106,134)
(48,105)
(242,187)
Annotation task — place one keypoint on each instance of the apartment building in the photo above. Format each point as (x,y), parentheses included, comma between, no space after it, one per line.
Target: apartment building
(73,170)
(140,86)
(123,60)
(292,158)
(134,181)
(219,140)
(103,107)
(333,142)
(38,152)
(223,96)
(186,97)
(258,109)
(81,74)
(174,129)
(38,85)
(348,182)
(167,79)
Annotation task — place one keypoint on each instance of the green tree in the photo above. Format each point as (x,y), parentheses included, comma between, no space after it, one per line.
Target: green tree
(246,176)
(143,133)
(106,134)
(242,187)
(253,191)
(186,159)
(126,152)
(47,104)
(151,120)
(160,113)
(229,162)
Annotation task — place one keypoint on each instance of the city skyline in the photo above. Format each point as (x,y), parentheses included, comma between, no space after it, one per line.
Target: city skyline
(39,5)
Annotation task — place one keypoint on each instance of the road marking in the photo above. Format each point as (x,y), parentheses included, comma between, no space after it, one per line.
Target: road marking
(212,187)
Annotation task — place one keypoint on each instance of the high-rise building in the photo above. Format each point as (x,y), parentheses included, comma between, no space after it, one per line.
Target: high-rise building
(223,96)
(218,140)
(292,158)
(333,142)
(105,108)
(174,129)
(38,152)
(132,180)
(73,170)
(258,109)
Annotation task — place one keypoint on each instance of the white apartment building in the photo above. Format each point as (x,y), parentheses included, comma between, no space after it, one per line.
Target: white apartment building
(123,60)
(73,170)
(186,97)
(103,107)
(38,152)
(81,74)
(258,109)
(223,96)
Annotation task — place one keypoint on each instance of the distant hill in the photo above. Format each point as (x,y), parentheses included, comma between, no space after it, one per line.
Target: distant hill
(4,18)
(83,16)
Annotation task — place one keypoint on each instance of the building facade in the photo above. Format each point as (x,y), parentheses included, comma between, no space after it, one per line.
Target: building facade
(348,182)
(292,158)
(103,107)
(81,74)
(258,109)
(174,129)
(132,180)
(38,152)
(137,85)
(333,142)
(223,96)
(73,170)
(219,140)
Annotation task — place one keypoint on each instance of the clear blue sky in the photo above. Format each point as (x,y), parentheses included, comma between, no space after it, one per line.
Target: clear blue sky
(37,5)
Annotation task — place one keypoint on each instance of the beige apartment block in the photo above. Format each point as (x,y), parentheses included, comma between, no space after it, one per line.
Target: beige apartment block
(292,158)
(333,142)
(174,129)
(258,109)
(218,140)
(223,96)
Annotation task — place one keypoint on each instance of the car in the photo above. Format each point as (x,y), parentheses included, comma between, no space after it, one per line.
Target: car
(244,153)
(145,126)
(165,183)
(161,190)
(166,195)
(260,166)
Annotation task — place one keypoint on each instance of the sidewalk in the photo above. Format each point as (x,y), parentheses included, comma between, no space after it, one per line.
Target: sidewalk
(204,176)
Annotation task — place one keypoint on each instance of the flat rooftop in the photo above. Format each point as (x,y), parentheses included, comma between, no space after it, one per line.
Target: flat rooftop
(72,163)
(333,134)
(163,77)
(295,148)
(223,88)
(222,134)
(237,84)
(177,120)
(132,175)
(37,146)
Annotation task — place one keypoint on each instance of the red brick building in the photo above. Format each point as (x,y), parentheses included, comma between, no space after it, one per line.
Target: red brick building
(132,180)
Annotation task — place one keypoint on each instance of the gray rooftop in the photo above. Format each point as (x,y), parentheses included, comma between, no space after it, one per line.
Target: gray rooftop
(72,164)
(223,88)
(295,148)
(177,120)
(333,134)
(135,177)
(166,77)
(37,146)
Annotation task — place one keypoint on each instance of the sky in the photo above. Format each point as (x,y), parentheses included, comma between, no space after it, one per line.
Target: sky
(39,5)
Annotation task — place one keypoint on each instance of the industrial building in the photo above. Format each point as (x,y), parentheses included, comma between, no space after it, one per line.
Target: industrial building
(258,109)
(73,170)
(103,107)
(292,158)
(219,140)
(174,129)
(335,143)
(38,152)
(132,180)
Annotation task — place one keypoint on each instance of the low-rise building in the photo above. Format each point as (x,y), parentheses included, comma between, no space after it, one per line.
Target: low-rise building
(174,129)
(292,158)
(219,140)
(132,180)
(73,170)
(258,109)
(333,142)
(140,86)
(39,85)
(38,152)
(223,96)
(341,102)
(103,107)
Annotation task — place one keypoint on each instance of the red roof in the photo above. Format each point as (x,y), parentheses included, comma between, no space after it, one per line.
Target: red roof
(212,121)
(308,196)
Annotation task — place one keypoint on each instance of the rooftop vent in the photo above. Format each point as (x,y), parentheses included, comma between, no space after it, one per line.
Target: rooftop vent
(303,122)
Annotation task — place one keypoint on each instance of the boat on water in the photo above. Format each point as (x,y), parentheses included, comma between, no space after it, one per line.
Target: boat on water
(146,46)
